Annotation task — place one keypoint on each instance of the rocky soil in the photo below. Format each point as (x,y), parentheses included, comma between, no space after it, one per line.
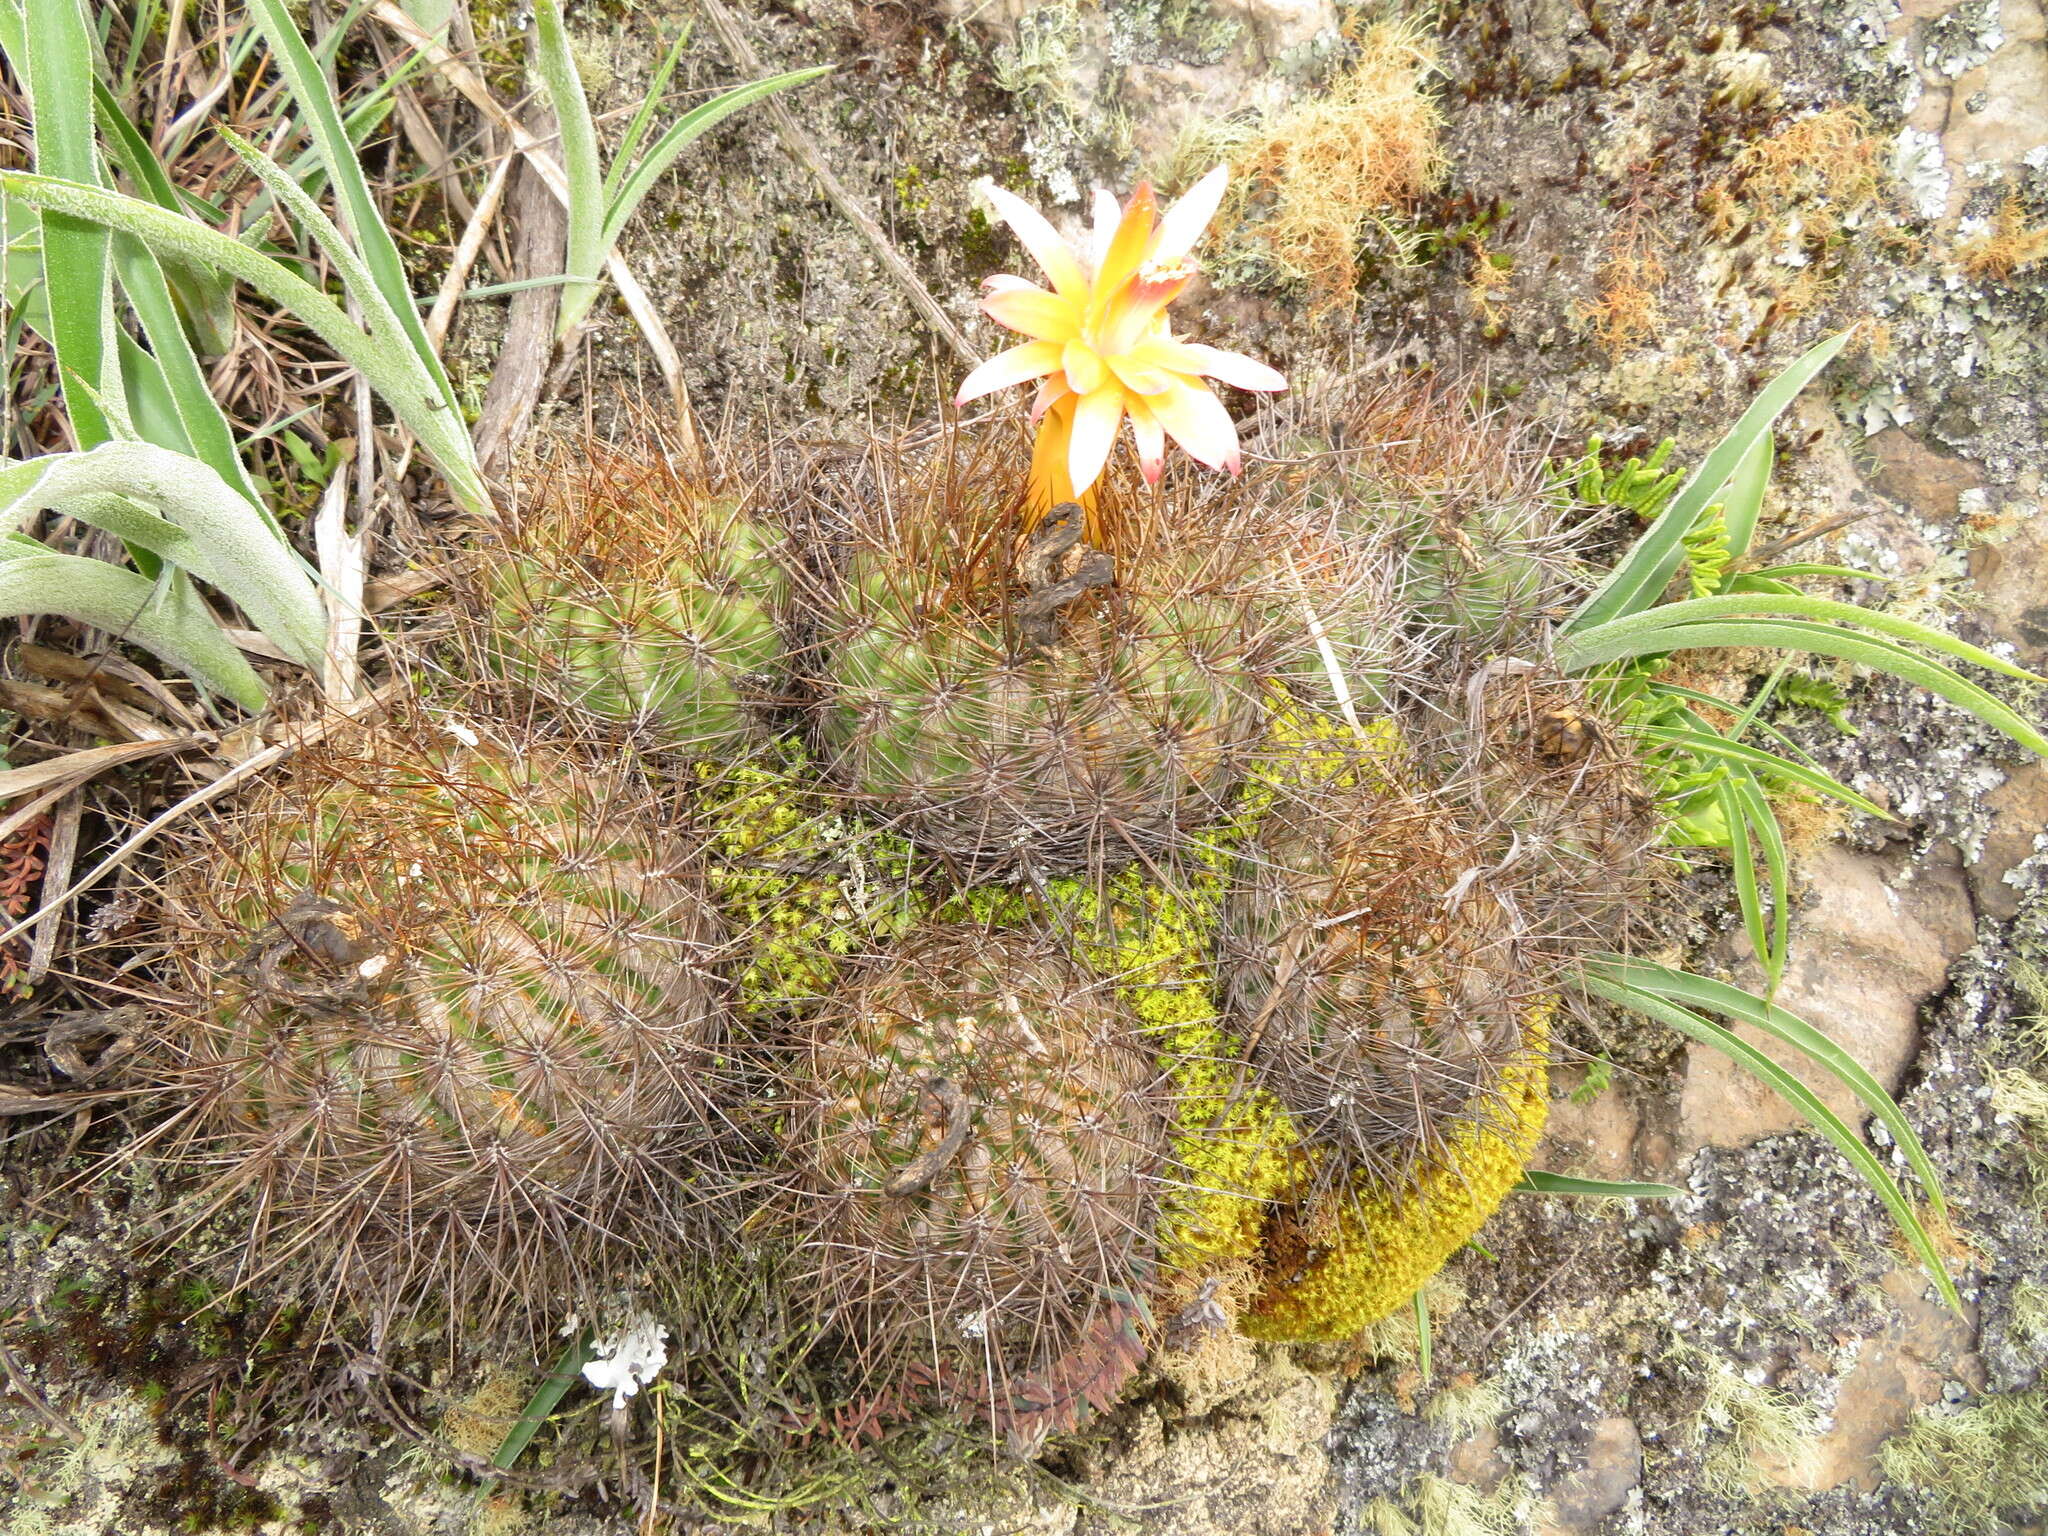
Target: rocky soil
(1632,231)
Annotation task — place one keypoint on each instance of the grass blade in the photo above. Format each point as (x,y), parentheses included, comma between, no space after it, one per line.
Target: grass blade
(392,370)
(1761,821)
(360,215)
(1536,1182)
(1742,499)
(585,253)
(1708,743)
(1719,997)
(1646,570)
(1798,605)
(568,1366)
(1749,895)
(188,399)
(1424,1345)
(643,116)
(1802,1098)
(684,131)
(1819,639)
(77,264)
(180,511)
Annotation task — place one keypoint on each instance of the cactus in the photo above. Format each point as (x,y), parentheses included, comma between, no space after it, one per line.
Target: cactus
(1344,1259)
(976,1140)
(452,1023)
(1117,737)
(631,595)
(1464,499)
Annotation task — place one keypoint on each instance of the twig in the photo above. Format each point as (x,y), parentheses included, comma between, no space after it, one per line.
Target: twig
(56,870)
(248,768)
(467,249)
(801,149)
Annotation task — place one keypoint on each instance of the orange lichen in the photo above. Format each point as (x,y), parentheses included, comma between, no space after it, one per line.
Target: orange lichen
(2008,247)
(1330,164)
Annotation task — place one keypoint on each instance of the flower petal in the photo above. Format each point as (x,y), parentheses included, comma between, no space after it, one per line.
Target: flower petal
(1052,254)
(1137,378)
(1207,362)
(1032,312)
(1083,367)
(1107,216)
(1051,391)
(1151,441)
(1019,365)
(1050,482)
(1136,311)
(1182,224)
(1096,418)
(1126,248)
(1199,423)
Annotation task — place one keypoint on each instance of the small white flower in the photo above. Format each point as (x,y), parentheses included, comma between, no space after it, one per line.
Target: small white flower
(627,1360)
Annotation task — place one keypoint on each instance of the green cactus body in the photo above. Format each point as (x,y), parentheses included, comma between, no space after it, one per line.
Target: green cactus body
(457,1016)
(978,1138)
(682,641)
(1125,735)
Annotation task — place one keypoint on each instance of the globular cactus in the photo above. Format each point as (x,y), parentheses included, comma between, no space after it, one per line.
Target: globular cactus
(1027,701)
(993,752)
(1463,500)
(976,1140)
(633,595)
(1376,974)
(454,1026)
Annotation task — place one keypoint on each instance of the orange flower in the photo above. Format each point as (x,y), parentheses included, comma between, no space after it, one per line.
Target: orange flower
(1101,346)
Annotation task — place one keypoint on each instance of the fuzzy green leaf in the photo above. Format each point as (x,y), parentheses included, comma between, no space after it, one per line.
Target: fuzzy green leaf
(392,370)
(178,509)
(165,618)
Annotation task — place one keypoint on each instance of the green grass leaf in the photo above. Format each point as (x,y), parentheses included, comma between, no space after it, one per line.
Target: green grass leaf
(685,131)
(378,252)
(182,512)
(1582,653)
(568,1367)
(1600,980)
(390,366)
(1798,605)
(1707,743)
(585,253)
(1536,1182)
(1719,997)
(1641,577)
(77,262)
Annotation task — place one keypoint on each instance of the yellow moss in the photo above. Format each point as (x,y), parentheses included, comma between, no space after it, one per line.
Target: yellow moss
(806,887)
(1329,1279)
(1234,1145)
